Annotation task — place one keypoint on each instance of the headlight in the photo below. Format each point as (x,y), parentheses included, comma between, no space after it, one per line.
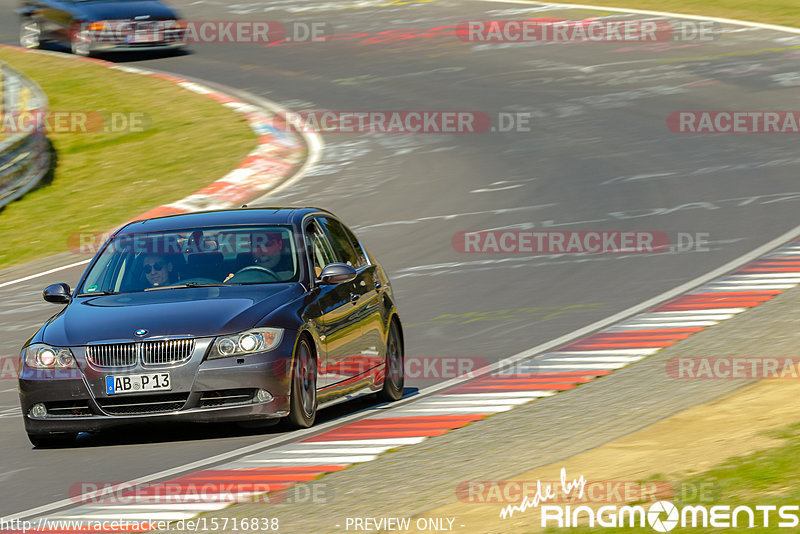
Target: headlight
(41,356)
(255,340)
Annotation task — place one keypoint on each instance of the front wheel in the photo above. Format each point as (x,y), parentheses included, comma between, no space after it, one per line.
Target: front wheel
(30,34)
(80,43)
(395,375)
(303,402)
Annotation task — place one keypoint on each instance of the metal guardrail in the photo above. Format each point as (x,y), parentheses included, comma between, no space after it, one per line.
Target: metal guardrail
(24,156)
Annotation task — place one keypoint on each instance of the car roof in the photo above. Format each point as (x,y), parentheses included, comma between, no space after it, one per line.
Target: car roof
(228,217)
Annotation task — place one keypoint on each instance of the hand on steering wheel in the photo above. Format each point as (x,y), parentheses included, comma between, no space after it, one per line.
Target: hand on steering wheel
(260,269)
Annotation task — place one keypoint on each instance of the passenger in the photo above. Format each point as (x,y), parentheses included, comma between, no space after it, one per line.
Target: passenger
(157,270)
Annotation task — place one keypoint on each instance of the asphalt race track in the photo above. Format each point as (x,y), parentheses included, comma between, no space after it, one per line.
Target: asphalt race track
(598,156)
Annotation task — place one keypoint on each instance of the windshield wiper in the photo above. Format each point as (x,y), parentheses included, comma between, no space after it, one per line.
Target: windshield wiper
(97,293)
(187,284)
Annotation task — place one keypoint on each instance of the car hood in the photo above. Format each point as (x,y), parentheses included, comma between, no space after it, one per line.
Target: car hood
(124,10)
(198,312)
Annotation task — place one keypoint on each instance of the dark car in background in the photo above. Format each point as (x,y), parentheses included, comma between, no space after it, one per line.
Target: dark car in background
(243,315)
(89,26)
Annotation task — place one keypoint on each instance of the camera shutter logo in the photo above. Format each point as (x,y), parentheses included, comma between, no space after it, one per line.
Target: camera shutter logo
(654,516)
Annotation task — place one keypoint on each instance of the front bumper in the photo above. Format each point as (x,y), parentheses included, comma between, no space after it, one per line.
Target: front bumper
(212,391)
(134,47)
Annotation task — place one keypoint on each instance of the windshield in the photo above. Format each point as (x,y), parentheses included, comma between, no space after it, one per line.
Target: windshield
(194,257)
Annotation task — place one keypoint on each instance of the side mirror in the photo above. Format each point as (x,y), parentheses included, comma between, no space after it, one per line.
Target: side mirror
(57,293)
(337,273)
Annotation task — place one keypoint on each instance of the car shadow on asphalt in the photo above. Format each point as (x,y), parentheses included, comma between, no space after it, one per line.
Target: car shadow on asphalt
(166,432)
(125,57)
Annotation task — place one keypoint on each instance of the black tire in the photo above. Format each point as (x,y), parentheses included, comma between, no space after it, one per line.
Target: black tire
(30,34)
(394,369)
(303,401)
(50,441)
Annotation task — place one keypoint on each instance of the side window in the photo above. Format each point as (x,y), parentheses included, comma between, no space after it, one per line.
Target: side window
(342,247)
(362,255)
(319,250)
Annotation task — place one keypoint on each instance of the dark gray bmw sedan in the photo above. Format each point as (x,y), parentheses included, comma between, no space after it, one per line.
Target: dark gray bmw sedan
(236,315)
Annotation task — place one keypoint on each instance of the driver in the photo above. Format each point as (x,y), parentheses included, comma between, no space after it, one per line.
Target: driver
(266,248)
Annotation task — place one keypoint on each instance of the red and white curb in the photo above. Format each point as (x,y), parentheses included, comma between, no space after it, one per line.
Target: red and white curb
(278,152)
(388,427)
(265,169)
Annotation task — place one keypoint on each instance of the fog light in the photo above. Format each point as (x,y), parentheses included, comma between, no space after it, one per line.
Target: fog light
(263,395)
(38,411)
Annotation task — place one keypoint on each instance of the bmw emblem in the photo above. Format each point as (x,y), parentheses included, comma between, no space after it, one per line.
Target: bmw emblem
(141,332)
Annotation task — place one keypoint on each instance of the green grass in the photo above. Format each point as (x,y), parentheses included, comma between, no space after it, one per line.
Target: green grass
(103,180)
(783,12)
(763,478)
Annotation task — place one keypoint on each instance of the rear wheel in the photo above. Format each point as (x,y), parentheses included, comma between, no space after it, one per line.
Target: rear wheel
(303,402)
(395,375)
(48,441)
(30,34)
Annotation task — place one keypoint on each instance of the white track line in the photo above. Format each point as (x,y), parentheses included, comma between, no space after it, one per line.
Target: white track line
(647,326)
(596,359)
(794,275)
(737,281)
(319,460)
(392,442)
(521,356)
(666,14)
(332,450)
(483,402)
(618,352)
(44,273)
(721,311)
(728,287)
(695,317)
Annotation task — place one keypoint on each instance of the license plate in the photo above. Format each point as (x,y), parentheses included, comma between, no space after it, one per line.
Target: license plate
(127,383)
(144,37)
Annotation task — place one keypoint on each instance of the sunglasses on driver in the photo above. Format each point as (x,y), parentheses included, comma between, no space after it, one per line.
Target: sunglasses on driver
(157,266)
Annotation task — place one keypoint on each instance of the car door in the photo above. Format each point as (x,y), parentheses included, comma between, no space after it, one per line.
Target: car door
(365,295)
(338,325)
